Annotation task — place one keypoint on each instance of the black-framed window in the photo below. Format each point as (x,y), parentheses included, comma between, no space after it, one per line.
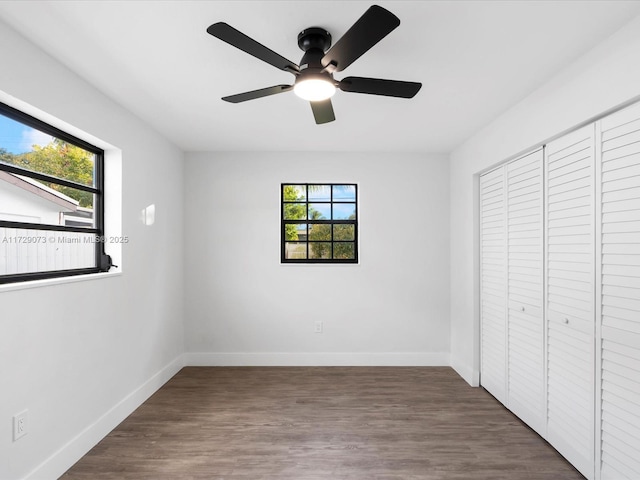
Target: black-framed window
(319,223)
(51,201)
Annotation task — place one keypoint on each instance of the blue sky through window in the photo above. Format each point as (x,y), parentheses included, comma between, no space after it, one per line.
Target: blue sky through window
(344,193)
(320,193)
(344,211)
(16,137)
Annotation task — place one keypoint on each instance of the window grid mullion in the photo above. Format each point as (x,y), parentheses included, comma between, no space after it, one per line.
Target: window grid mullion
(47,178)
(48,227)
(331,225)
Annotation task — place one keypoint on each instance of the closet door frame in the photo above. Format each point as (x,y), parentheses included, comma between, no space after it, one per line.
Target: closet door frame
(597,287)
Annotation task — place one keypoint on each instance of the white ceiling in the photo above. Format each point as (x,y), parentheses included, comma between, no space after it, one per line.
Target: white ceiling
(474,58)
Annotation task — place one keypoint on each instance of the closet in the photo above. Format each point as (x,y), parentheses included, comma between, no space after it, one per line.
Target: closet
(560,293)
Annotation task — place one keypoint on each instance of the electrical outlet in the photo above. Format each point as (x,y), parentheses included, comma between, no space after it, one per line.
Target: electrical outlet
(20,424)
(318,326)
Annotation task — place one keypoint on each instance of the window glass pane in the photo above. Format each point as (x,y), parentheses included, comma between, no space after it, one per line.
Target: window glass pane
(344,193)
(295,250)
(344,250)
(320,250)
(24,199)
(36,151)
(30,251)
(319,211)
(344,211)
(319,193)
(344,232)
(295,211)
(320,231)
(295,232)
(293,193)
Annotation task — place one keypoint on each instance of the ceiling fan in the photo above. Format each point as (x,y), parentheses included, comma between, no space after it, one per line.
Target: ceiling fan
(314,76)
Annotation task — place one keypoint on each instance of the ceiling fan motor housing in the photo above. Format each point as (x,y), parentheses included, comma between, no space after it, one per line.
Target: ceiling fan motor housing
(314,37)
(314,42)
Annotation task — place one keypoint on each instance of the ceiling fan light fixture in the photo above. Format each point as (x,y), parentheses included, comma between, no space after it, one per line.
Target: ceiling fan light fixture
(314,80)
(314,89)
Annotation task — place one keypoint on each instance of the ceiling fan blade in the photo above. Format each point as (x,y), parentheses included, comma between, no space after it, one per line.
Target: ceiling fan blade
(373,26)
(378,86)
(263,92)
(234,37)
(323,111)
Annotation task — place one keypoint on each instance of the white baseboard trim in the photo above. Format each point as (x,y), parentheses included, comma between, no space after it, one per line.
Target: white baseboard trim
(70,453)
(471,376)
(322,359)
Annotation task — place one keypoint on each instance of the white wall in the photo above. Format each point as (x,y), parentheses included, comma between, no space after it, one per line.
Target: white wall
(605,78)
(244,307)
(81,355)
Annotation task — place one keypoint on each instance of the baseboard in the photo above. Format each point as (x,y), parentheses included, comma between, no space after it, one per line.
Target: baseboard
(67,455)
(323,359)
(471,376)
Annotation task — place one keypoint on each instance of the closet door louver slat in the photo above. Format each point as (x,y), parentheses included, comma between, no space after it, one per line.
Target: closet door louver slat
(570,294)
(620,296)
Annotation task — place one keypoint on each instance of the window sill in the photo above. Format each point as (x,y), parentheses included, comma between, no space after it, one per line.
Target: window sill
(319,264)
(57,281)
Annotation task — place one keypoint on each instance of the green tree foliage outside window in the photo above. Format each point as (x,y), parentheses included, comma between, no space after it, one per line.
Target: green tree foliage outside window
(62,160)
(293,211)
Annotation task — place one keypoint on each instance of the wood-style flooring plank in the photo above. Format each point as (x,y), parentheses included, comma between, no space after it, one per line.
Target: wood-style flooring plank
(319,423)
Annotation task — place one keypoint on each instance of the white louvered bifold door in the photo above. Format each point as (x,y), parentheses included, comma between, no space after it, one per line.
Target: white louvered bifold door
(570,297)
(620,296)
(493,283)
(525,328)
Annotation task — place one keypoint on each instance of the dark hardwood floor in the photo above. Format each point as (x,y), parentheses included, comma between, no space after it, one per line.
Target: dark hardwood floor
(317,423)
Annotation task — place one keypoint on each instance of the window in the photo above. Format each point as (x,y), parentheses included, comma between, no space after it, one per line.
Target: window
(319,223)
(51,201)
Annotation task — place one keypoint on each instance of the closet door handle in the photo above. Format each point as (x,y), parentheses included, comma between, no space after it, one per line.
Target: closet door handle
(566,321)
(522,309)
